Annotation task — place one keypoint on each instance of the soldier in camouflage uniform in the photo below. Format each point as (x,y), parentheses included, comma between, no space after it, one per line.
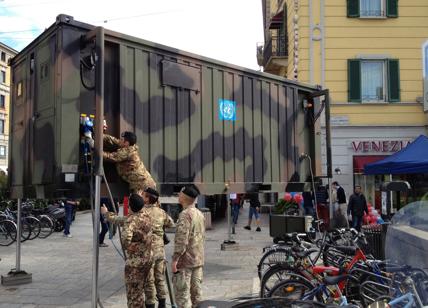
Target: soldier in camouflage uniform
(188,257)
(137,241)
(128,163)
(160,220)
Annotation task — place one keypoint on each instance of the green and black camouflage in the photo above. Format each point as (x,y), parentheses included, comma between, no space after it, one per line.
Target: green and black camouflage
(171,99)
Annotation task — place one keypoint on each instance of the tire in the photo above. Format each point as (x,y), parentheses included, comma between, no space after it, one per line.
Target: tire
(59,225)
(34,226)
(7,232)
(46,226)
(291,289)
(25,231)
(275,274)
(272,257)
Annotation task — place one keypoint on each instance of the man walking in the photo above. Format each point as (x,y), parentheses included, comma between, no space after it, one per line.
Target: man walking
(188,257)
(69,207)
(254,211)
(342,208)
(128,163)
(357,206)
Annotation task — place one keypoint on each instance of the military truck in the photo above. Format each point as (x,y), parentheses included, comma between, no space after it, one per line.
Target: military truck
(198,120)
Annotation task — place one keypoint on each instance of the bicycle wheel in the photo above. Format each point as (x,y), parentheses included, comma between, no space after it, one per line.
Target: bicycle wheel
(7,232)
(277,255)
(291,289)
(46,226)
(275,274)
(25,231)
(34,227)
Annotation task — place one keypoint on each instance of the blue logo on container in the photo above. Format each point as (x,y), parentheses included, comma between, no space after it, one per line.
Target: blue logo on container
(227,110)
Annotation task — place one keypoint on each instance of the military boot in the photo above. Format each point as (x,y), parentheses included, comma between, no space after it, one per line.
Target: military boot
(162,303)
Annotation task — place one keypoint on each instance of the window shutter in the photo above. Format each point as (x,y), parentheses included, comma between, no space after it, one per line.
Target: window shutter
(393,80)
(354,80)
(392,8)
(353,8)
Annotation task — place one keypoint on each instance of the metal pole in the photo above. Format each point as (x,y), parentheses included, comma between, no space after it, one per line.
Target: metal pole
(18,239)
(95,243)
(330,204)
(229,226)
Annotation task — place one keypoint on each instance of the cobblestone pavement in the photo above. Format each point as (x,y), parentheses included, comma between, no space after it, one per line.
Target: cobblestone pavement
(61,267)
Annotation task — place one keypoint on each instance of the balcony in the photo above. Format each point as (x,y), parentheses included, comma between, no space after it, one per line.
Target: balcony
(273,56)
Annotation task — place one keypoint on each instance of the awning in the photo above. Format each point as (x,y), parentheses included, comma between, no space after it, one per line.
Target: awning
(360,161)
(277,20)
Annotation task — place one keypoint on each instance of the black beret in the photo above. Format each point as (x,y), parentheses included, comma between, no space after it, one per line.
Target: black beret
(152,191)
(136,202)
(191,191)
(130,137)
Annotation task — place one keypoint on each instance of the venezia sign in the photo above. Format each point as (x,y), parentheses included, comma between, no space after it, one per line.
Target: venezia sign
(379,146)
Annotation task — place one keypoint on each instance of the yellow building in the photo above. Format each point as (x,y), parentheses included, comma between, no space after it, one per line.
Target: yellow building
(5,54)
(369,54)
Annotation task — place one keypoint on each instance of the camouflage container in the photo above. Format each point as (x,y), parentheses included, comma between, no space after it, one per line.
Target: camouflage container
(197,120)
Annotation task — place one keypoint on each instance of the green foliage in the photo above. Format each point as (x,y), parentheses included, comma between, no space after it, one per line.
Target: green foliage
(282,206)
(84,204)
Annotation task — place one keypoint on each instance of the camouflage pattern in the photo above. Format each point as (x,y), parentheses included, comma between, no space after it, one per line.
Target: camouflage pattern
(188,287)
(170,99)
(135,280)
(128,165)
(156,286)
(136,237)
(189,239)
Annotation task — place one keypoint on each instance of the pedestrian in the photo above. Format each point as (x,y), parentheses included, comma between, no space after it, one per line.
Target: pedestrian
(69,207)
(188,258)
(137,241)
(254,211)
(342,220)
(356,207)
(308,203)
(103,220)
(235,204)
(128,163)
(155,286)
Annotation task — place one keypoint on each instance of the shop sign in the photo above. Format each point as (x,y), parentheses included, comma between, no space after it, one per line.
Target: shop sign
(379,146)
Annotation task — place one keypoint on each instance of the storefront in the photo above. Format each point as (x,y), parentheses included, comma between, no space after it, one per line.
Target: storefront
(354,147)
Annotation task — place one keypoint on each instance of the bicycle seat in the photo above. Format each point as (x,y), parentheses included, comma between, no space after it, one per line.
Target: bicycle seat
(333,280)
(347,250)
(305,253)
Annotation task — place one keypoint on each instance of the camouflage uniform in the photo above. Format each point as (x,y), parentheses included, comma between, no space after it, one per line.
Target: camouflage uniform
(137,241)
(156,281)
(129,165)
(189,252)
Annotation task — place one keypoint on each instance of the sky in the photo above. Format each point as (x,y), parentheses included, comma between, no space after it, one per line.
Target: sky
(226,30)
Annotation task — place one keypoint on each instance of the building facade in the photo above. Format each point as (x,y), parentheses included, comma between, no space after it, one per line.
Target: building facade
(370,54)
(5,54)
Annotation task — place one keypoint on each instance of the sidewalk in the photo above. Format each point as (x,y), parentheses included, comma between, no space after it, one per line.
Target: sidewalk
(62,267)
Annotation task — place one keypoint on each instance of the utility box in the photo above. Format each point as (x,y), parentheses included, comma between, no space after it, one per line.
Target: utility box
(197,120)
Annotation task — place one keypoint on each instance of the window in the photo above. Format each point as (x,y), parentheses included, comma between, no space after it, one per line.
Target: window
(425,59)
(3,77)
(2,127)
(2,151)
(3,56)
(2,101)
(373,80)
(372,8)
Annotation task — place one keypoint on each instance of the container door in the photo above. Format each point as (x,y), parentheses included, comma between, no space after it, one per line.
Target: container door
(43,117)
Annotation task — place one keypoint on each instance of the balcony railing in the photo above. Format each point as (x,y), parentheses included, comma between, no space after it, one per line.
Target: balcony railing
(277,46)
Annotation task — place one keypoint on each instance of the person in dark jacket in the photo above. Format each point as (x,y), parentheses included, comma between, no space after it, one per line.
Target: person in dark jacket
(341,208)
(308,203)
(356,207)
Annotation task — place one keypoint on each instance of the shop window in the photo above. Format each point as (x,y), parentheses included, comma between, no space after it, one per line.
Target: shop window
(373,80)
(372,8)
(2,127)
(2,151)
(2,101)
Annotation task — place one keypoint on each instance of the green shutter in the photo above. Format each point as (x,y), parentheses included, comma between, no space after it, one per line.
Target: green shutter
(353,8)
(392,8)
(354,80)
(393,80)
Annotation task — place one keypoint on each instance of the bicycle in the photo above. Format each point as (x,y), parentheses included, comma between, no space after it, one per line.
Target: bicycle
(8,232)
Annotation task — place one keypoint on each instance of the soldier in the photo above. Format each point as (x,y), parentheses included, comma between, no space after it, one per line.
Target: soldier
(128,163)
(160,220)
(137,241)
(188,257)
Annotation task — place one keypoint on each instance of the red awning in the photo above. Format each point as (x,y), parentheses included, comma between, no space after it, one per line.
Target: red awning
(277,20)
(361,161)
